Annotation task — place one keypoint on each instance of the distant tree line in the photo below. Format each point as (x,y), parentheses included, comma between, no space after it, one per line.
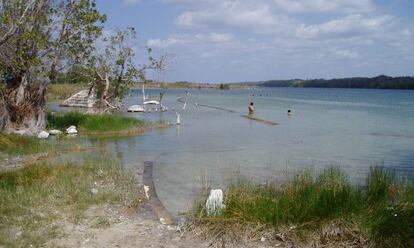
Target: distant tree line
(379,82)
(224,87)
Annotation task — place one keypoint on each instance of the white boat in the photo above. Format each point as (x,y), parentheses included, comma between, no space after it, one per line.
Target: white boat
(151,102)
(141,108)
(136,108)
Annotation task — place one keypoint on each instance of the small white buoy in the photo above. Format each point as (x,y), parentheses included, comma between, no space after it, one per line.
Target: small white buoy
(178,122)
(71,130)
(214,204)
(43,135)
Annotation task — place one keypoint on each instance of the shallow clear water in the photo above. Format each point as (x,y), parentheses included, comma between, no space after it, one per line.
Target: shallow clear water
(350,128)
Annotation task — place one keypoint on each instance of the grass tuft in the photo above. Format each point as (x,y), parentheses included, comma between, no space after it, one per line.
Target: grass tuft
(93,123)
(11,145)
(106,123)
(383,211)
(39,200)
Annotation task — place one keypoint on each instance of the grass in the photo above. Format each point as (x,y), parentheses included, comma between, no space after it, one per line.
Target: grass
(94,123)
(12,145)
(39,200)
(382,212)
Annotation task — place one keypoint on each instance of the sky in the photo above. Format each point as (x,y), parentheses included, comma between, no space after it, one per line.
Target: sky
(218,41)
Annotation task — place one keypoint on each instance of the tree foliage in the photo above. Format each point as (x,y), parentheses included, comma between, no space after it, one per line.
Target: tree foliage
(41,40)
(36,38)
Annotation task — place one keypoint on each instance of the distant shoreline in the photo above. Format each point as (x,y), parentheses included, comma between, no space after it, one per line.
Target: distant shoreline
(379,82)
(62,91)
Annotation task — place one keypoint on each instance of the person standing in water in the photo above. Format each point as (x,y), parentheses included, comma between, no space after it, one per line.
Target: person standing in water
(251,108)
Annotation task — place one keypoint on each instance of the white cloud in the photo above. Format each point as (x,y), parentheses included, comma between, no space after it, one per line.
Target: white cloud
(346,6)
(208,55)
(407,32)
(349,26)
(285,37)
(183,39)
(316,6)
(236,14)
(169,42)
(346,54)
(131,2)
(219,37)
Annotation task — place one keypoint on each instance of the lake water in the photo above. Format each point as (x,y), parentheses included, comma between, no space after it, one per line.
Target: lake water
(350,128)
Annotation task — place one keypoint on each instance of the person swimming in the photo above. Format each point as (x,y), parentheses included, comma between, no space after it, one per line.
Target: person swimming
(289,112)
(251,108)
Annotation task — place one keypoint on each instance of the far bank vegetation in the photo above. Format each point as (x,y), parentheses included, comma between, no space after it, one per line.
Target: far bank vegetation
(380,82)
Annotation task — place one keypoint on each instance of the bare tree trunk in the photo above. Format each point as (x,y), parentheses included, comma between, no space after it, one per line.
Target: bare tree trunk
(53,72)
(4,114)
(102,105)
(107,83)
(23,107)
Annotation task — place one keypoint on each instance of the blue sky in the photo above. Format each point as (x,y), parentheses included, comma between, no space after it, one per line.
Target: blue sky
(250,40)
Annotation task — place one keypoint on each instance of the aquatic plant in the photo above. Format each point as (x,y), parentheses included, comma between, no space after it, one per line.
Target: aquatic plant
(93,123)
(104,123)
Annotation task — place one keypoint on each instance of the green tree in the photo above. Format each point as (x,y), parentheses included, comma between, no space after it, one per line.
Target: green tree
(78,25)
(112,69)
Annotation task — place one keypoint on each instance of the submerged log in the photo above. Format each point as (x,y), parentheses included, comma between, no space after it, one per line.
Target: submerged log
(260,120)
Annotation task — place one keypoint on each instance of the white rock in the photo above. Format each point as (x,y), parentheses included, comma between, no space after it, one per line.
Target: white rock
(55,132)
(43,135)
(94,191)
(20,132)
(71,130)
(263,239)
(214,203)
